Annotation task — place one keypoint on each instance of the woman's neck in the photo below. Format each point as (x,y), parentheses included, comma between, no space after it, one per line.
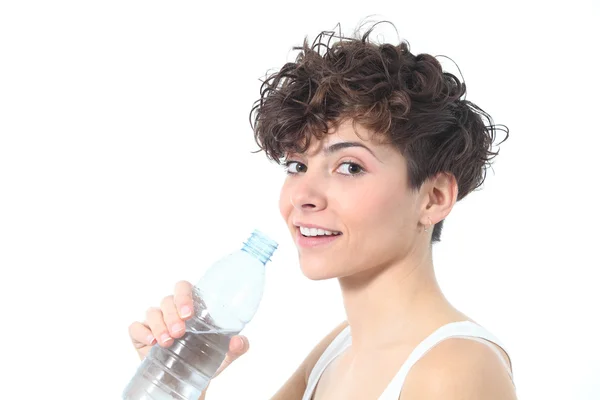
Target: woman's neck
(395,304)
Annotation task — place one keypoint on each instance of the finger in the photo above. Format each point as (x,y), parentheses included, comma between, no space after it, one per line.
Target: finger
(141,335)
(238,345)
(156,322)
(183,299)
(171,318)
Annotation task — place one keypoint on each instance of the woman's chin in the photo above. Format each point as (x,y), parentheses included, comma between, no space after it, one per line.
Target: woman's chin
(317,272)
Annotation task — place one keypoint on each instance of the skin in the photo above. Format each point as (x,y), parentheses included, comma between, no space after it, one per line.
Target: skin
(383,263)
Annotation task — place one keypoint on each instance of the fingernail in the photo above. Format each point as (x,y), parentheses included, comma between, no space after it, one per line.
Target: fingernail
(186,311)
(177,328)
(151,339)
(165,338)
(238,345)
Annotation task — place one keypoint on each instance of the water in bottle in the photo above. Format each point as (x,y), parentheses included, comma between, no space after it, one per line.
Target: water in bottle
(225,300)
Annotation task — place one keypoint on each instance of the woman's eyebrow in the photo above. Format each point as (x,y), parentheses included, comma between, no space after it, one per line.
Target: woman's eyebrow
(344,145)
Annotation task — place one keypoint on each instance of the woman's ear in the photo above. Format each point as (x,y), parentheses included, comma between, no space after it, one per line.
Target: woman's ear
(441,195)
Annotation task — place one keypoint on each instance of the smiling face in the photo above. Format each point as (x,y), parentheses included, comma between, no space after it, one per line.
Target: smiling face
(357,189)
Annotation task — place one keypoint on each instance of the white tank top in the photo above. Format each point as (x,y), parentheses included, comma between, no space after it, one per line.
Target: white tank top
(462,329)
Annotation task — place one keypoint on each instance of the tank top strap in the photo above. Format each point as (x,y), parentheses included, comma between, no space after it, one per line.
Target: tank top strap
(462,329)
(341,342)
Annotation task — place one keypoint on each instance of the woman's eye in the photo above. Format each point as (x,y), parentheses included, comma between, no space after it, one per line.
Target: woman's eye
(350,168)
(294,167)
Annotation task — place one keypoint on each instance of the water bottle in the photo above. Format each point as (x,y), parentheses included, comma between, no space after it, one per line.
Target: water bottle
(225,300)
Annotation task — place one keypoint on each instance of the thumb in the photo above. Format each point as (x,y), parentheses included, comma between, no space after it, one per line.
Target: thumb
(238,345)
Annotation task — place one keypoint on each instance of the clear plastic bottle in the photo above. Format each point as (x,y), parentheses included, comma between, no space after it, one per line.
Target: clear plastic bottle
(225,300)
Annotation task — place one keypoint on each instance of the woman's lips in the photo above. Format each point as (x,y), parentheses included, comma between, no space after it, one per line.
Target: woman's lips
(314,241)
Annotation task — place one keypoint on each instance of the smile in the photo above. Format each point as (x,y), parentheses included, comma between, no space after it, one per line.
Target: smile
(311,237)
(314,232)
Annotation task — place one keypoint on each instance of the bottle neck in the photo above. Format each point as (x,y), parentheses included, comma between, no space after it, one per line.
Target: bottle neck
(260,246)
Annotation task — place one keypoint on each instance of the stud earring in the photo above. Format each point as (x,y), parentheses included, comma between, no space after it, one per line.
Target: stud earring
(428,226)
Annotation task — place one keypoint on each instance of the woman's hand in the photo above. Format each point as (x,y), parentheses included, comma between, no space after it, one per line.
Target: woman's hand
(167,322)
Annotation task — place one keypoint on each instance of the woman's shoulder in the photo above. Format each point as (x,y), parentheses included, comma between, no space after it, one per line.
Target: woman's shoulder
(469,368)
(295,386)
(314,356)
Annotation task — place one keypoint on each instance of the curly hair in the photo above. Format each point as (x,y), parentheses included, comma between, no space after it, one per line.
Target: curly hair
(407,100)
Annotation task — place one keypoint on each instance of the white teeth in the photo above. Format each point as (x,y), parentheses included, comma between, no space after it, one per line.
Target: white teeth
(316,232)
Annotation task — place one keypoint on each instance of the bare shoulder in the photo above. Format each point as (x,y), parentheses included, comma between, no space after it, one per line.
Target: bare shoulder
(459,369)
(319,349)
(296,385)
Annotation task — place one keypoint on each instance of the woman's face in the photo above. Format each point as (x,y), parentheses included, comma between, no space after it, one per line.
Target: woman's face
(356,189)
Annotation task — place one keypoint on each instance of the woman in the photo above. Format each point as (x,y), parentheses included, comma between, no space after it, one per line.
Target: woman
(378,146)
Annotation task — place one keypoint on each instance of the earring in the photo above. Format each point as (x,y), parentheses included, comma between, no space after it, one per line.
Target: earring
(427,227)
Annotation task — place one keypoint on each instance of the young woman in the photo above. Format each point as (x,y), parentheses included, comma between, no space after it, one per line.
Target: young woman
(378,144)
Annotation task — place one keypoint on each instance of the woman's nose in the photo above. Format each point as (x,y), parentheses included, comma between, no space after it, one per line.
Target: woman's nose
(308,194)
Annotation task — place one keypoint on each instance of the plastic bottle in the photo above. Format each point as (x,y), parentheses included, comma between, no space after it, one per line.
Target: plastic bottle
(225,300)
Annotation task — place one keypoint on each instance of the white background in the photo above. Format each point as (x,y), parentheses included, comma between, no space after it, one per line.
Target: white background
(126,165)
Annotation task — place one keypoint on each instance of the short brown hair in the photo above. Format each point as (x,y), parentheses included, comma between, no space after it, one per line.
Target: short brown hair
(407,99)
